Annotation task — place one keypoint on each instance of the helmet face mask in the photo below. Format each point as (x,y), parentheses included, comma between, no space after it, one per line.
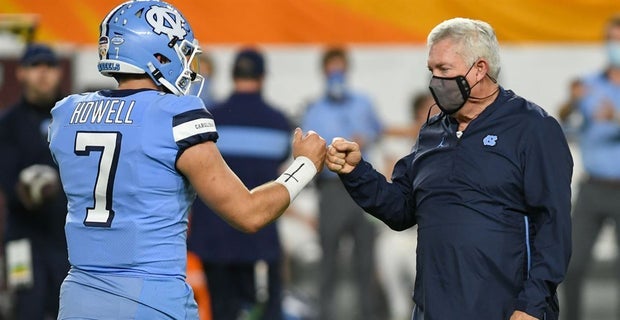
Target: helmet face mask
(150,37)
(190,81)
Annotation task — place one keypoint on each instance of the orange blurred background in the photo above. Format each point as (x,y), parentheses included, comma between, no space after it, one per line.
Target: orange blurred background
(334,21)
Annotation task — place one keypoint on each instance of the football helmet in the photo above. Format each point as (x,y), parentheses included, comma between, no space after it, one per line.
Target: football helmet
(152,37)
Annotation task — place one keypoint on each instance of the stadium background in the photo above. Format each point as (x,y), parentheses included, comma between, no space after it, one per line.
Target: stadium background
(357,21)
(544,43)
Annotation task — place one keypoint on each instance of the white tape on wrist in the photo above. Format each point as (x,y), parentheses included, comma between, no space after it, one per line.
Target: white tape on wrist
(297,176)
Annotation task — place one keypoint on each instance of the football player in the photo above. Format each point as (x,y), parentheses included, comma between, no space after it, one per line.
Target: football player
(132,160)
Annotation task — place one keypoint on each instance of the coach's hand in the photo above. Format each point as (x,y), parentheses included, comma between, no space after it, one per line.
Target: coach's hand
(342,156)
(520,315)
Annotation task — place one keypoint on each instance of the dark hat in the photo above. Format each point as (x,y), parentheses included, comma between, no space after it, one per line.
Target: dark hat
(249,64)
(38,53)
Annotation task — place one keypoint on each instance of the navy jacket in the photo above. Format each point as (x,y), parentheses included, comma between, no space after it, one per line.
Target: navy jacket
(492,208)
(255,140)
(23,142)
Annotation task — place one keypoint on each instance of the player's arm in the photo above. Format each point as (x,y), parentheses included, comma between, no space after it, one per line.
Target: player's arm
(250,210)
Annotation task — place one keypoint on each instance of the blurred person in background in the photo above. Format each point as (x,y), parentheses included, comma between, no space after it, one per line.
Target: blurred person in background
(568,113)
(207,70)
(396,264)
(4,294)
(244,271)
(36,250)
(597,202)
(488,184)
(3,213)
(342,112)
(421,108)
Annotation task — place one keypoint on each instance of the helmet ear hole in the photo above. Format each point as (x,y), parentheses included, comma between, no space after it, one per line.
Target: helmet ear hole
(139,13)
(162,58)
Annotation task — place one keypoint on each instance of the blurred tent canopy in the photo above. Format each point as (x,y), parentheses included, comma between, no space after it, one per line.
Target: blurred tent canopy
(20,26)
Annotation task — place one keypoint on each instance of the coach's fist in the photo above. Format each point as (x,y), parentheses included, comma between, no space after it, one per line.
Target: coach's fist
(342,156)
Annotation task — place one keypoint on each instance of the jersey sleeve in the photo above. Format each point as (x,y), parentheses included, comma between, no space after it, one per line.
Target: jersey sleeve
(193,127)
(173,124)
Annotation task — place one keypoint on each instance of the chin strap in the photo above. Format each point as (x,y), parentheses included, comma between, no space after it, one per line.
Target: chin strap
(159,77)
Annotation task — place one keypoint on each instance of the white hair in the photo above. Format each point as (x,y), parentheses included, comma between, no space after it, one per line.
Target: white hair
(477,40)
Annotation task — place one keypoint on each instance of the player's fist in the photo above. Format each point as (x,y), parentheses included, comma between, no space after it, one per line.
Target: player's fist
(310,145)
(37,184)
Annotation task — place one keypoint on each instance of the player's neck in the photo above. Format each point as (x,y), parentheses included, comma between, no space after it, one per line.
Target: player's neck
(137,84)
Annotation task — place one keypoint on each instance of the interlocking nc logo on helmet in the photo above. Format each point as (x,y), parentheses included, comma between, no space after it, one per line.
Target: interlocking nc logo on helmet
(167,21)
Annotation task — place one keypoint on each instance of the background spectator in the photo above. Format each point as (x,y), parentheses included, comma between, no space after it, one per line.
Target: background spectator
(342,112)
(597,202)
(36,205)
(244,271)
(207,70)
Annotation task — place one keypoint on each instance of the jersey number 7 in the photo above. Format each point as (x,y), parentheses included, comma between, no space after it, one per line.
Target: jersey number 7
(108,144)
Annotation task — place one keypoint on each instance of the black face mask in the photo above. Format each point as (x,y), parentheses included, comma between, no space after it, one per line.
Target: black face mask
(450,94)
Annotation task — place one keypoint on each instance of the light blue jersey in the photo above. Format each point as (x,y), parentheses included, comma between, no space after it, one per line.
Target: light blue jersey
(127,203)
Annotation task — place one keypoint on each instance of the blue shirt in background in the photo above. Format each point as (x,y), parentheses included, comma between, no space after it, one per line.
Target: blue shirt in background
(600,140)
(352,118)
